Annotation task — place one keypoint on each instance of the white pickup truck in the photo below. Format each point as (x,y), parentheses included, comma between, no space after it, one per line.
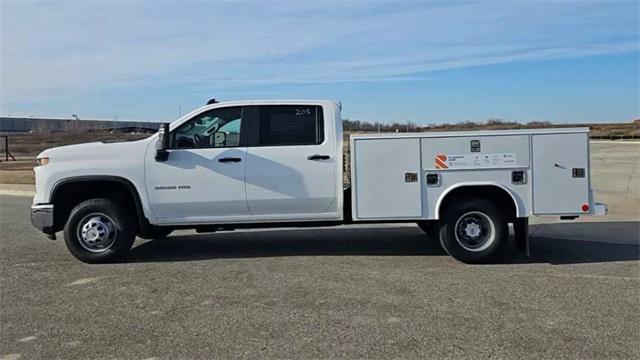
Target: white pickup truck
(280,163)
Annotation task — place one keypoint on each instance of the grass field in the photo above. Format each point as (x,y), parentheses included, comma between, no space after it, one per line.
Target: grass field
(26,146)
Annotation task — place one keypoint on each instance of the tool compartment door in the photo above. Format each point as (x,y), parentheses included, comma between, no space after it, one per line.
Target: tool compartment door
(387,178)
(560,173)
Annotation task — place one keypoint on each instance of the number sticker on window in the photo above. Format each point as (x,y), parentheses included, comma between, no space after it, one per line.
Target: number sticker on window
(303,112)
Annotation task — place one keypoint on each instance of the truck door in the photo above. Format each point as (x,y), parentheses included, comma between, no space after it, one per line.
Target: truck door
(291,162)
(203,178)
(560,173)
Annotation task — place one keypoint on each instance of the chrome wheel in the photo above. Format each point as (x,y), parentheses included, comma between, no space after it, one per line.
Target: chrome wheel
(96,232)
(475,231)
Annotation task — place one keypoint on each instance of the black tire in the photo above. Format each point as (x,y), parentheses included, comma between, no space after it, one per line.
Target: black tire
(481,239)
(98,215)
(156,233)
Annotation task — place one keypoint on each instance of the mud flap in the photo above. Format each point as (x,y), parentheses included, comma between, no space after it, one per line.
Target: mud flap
(521,234)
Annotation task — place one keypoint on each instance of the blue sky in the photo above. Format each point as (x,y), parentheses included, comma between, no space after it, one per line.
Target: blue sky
(426,62)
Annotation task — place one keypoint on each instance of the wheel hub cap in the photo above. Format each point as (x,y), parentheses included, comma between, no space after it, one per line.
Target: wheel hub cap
(472,230)
(96,232)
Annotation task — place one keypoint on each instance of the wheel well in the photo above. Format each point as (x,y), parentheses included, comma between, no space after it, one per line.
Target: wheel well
(495,194)
(67,195)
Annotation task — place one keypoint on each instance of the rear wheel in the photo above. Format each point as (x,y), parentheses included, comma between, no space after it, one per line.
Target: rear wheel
(473,230)
(99,230)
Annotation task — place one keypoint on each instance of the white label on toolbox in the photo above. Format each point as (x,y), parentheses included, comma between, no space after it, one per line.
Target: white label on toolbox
(471,161)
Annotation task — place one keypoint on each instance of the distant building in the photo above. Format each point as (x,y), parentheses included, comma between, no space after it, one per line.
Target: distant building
(11,124)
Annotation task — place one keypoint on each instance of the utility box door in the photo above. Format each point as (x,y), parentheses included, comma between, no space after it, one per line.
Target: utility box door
(387,178)
(560,173)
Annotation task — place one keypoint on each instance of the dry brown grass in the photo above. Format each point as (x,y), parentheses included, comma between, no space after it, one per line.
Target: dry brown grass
(32,144)
(21,164)
(17,172)
(17,177)
(26,146)
(597,130)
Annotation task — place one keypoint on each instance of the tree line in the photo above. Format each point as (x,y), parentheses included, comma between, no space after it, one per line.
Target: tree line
(409,126)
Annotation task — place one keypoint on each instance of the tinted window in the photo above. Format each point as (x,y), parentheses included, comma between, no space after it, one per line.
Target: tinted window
(214,128)
(290,125)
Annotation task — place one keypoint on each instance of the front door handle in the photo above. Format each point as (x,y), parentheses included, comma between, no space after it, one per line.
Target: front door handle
(318,157)
(229,160)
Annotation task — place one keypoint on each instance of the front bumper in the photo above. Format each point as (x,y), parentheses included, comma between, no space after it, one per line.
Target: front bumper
(42,218)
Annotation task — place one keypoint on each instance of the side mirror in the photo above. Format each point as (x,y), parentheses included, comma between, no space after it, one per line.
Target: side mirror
(162,153)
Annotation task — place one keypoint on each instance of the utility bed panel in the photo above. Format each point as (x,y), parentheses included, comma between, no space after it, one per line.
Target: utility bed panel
(409,176)
(387,178)
(475,152)
(560,173)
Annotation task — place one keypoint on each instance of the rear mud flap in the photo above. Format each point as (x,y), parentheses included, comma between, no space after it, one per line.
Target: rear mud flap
(521,234)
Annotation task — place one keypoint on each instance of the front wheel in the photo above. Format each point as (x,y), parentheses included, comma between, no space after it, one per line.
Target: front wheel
(99,230)
(473,230)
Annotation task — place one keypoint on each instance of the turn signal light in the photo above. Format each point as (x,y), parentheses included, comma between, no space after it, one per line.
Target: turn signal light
(42,161)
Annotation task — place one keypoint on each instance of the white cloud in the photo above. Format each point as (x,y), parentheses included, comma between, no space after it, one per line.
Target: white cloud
(50,48)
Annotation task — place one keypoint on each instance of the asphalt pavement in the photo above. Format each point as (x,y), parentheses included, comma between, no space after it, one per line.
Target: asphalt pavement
(352,292)
(347,292)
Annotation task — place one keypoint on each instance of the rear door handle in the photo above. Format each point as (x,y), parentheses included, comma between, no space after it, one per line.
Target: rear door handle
(229,160)
(318,157)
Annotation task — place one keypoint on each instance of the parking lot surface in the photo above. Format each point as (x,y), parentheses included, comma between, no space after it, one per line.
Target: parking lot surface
(358,291)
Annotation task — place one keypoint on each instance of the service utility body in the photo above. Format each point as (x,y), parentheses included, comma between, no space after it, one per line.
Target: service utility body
(276,163)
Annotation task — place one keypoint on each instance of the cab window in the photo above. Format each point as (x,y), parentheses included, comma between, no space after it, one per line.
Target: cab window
(281,125)
(211,129)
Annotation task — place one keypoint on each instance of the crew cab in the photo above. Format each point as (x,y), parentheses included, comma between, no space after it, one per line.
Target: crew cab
(280,164)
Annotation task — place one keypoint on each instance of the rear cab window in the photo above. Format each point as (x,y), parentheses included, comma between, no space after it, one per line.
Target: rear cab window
(285,125)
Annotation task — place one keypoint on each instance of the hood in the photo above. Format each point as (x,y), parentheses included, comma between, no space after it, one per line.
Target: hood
(95,150)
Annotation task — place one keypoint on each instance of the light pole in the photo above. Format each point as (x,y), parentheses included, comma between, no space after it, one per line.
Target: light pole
(73,123)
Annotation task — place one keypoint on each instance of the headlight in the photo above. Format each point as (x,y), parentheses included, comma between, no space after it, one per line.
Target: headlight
(42,161)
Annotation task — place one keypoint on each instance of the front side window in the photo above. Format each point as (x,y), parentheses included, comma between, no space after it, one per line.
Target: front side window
(214,128)
(290,125)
